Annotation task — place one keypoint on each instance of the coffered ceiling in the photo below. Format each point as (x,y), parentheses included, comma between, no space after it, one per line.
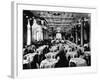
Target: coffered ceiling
(63,20)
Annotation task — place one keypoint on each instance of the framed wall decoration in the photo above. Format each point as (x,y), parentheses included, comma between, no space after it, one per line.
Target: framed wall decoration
(52,40)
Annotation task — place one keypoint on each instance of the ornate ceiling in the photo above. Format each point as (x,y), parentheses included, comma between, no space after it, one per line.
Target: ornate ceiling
(63,20)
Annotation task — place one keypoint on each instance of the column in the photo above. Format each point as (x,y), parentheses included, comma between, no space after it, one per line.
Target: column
(76,34)
(82,33)
(28,33)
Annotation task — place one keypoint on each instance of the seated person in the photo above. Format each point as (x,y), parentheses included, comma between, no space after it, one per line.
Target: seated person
(77,62)
(49,62)
(29,61)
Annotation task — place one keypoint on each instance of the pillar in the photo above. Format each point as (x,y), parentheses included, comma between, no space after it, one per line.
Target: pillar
(82,32)
(28,33)
(76,34)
